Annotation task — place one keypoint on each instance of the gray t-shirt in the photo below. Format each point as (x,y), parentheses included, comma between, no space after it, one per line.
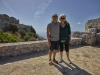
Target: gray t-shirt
(54,31)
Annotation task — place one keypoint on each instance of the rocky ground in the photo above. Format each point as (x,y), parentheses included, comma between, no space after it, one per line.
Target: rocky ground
(85,61)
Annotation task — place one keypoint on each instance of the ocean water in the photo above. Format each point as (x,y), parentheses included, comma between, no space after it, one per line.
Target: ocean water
(43,34)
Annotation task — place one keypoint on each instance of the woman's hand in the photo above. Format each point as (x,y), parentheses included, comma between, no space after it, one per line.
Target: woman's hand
(69,41)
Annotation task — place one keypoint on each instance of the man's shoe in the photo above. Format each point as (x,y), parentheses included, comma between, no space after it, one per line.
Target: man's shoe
(55,61)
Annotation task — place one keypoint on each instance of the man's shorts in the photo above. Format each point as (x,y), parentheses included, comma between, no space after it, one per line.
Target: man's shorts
(54,45)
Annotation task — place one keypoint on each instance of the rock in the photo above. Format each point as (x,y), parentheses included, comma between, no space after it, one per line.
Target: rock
(23,51)
(98,38)
(93,23)
(92,30)
(77,34)
(88,38)
(76,41)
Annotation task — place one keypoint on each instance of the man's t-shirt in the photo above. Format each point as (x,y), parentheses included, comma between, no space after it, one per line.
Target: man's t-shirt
(54,31)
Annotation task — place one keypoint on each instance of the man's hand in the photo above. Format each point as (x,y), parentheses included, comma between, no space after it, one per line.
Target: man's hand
(49,43)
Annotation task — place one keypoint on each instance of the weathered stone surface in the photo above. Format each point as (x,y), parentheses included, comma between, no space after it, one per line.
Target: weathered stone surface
(98,38)
(94,23)
(92,30)
(89,38)
(26,50)
(76,41)
(15,49)
(77,34)
(85,61)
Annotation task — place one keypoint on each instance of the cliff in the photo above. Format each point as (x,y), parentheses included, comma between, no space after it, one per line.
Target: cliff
(5,20)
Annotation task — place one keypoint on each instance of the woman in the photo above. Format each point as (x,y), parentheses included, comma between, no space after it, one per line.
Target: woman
(65,37)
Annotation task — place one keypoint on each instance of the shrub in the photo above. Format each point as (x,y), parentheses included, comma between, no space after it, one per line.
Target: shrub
(26,37)
(13,27)
(6,38)
(32,39)
(22,32)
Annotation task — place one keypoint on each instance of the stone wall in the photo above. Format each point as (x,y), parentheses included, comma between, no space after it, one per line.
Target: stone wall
(14,49)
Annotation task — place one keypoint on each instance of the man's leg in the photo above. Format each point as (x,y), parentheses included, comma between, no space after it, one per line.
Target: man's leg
(56,47)
(54,54)
(50,54)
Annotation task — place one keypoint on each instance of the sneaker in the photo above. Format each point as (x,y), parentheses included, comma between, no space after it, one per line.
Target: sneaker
(61,60)
(69,62)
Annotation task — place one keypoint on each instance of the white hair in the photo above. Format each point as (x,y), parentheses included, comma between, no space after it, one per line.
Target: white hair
(63,15)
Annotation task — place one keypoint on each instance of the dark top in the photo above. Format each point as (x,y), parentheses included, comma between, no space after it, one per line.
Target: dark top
(64,33)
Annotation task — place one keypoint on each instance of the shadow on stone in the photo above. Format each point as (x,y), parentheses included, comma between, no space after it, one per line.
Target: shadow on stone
(5,60)
(75,46)
(70,69)
(97,46)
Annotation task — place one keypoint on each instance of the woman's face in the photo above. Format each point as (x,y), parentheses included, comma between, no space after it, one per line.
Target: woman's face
(62,19)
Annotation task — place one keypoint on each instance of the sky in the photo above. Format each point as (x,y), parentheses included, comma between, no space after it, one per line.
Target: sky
(38,12)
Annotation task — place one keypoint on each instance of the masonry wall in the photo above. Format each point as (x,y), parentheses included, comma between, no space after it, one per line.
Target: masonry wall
(14,49)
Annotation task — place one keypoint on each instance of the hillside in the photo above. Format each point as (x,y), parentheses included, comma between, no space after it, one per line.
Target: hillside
(12,31)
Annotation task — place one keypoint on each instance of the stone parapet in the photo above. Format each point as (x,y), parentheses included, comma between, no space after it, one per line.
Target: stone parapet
(14,49)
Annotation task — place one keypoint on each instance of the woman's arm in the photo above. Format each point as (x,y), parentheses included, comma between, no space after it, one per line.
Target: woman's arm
(69,33)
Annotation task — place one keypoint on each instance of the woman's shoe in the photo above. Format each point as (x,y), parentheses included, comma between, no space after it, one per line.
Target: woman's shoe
(69,62)
(61,60)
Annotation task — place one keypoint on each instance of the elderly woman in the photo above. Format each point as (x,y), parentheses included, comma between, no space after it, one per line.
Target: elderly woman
(65,37)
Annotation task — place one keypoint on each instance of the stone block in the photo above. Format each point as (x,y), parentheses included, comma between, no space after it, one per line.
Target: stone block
(26,50)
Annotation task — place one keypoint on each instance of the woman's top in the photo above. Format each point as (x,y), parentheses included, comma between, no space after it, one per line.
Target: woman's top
(64,33)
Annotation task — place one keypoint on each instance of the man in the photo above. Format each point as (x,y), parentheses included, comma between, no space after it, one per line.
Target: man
(53,37)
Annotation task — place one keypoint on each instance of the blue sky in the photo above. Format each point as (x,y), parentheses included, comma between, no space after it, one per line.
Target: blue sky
(38,12)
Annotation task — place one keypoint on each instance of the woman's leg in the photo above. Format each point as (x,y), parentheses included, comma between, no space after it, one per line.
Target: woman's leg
(67,52)
(61,52)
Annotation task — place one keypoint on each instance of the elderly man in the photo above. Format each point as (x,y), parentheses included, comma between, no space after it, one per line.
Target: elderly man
(53,37)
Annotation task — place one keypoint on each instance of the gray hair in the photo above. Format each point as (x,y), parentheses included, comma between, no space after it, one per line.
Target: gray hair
(53,16)
(62,15)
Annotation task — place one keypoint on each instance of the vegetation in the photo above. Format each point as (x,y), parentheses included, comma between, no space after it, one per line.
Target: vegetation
(22,33)
(11,33)
(7,38)
(13,27)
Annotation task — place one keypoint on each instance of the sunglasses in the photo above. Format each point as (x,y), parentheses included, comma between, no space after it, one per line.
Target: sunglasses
(62,18)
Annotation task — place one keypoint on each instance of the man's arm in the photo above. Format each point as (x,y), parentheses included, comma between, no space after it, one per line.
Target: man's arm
(48,36)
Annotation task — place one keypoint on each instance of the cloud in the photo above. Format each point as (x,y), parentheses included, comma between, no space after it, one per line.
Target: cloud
(8,6)
(40,9)
(79,23)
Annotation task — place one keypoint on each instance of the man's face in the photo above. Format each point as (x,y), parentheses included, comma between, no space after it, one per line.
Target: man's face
(55,18)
